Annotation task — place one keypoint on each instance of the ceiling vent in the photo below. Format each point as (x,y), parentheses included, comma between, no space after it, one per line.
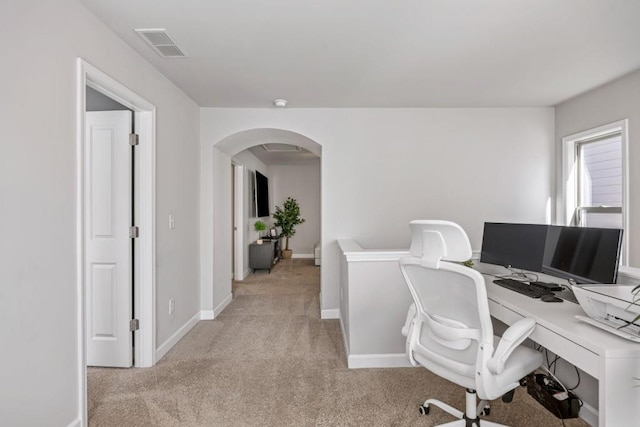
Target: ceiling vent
(160,41)
(280,148)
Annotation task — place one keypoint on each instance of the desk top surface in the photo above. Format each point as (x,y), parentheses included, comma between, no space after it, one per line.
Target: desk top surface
(557,317)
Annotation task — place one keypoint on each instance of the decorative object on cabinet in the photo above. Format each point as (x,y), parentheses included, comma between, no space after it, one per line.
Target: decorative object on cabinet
(259,226)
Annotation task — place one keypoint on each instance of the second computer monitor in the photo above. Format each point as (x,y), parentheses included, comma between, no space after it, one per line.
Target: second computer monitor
(514,245)
(583,254)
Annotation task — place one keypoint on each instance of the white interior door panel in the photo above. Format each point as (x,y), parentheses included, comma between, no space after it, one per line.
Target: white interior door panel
(108,247)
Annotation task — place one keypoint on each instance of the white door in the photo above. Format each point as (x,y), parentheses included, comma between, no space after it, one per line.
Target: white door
(108,247)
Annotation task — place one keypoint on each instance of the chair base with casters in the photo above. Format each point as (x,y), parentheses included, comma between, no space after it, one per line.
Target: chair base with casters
(469,418)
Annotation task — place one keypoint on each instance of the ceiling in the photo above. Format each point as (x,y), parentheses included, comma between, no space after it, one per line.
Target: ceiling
(385,53)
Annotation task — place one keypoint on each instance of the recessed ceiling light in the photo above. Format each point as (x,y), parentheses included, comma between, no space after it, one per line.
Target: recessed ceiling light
(281,103)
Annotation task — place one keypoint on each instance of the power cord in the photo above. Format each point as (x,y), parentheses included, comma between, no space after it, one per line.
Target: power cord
(521,277)
(553,365)
(578,383)
(527,276)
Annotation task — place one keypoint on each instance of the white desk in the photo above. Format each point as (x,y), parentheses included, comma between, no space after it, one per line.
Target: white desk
(614,361)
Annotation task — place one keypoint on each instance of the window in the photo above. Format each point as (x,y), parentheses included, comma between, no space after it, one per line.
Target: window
(599,182)
(595,183)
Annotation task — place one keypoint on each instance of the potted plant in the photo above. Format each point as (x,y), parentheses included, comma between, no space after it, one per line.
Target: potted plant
(259,226)
(287,219)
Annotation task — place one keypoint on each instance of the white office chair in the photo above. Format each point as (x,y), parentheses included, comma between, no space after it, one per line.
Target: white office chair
(449,329)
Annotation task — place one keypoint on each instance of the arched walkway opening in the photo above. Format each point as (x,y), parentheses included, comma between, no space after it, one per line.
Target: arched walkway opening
(227,224)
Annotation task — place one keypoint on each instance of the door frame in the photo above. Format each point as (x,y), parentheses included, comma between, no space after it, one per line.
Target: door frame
(144,255)
(238,220)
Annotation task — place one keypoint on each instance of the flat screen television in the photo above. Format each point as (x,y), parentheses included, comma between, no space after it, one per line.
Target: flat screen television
(262,195)
(583,254)
(514,245)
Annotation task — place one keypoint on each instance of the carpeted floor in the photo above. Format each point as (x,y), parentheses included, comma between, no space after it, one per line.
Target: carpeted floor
(268,360)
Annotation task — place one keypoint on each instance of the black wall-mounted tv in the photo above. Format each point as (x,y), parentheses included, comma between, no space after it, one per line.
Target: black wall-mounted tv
(586,255)
(514,245)
(262,195)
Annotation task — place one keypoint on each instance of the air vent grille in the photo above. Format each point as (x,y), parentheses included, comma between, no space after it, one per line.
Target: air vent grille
(156,38)
(160,41)
(279,147)
(170,51)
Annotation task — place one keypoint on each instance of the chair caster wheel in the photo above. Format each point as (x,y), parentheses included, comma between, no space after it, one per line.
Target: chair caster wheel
(486,412)
(508,396)
(424,410)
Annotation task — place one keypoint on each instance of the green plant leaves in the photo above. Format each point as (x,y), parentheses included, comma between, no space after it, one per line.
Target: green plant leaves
(288,217)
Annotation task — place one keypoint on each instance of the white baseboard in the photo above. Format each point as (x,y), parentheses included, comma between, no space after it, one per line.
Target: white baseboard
(589,414)
(331,313)
(206,315)
(212,314)
(307,256)
(173,339)
(217,310)
(75,423)
(396,360)
(242,276)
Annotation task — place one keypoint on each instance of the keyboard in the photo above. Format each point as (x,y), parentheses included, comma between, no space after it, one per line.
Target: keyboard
(522,288)
(546,285)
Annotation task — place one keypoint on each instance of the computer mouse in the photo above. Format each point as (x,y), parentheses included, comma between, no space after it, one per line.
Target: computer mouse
(550,298)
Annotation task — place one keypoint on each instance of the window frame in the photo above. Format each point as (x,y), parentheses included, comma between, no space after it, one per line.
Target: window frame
(571,210)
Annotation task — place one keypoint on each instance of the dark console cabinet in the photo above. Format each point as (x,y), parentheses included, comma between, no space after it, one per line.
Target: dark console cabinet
(264,256)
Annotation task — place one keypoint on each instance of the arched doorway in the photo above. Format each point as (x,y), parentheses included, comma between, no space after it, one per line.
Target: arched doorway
(217,218)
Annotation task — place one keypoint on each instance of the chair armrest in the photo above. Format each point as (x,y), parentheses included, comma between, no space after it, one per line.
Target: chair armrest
(411,314)
(512,338)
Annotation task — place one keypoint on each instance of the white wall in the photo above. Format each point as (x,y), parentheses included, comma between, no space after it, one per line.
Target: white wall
(302,182)
(615,101)
(215,222)
(38,305)
(383,167)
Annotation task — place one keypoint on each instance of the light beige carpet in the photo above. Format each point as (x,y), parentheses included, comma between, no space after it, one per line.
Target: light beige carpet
(268,360)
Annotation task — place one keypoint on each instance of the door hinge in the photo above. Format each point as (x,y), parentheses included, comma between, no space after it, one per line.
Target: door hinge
(134,232)
(134,325)
(133,139)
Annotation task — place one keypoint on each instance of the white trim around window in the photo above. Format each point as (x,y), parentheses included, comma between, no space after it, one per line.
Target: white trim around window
(569,175)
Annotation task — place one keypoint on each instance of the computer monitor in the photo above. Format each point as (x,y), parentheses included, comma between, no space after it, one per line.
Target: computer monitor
(514,245)
(583,254)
